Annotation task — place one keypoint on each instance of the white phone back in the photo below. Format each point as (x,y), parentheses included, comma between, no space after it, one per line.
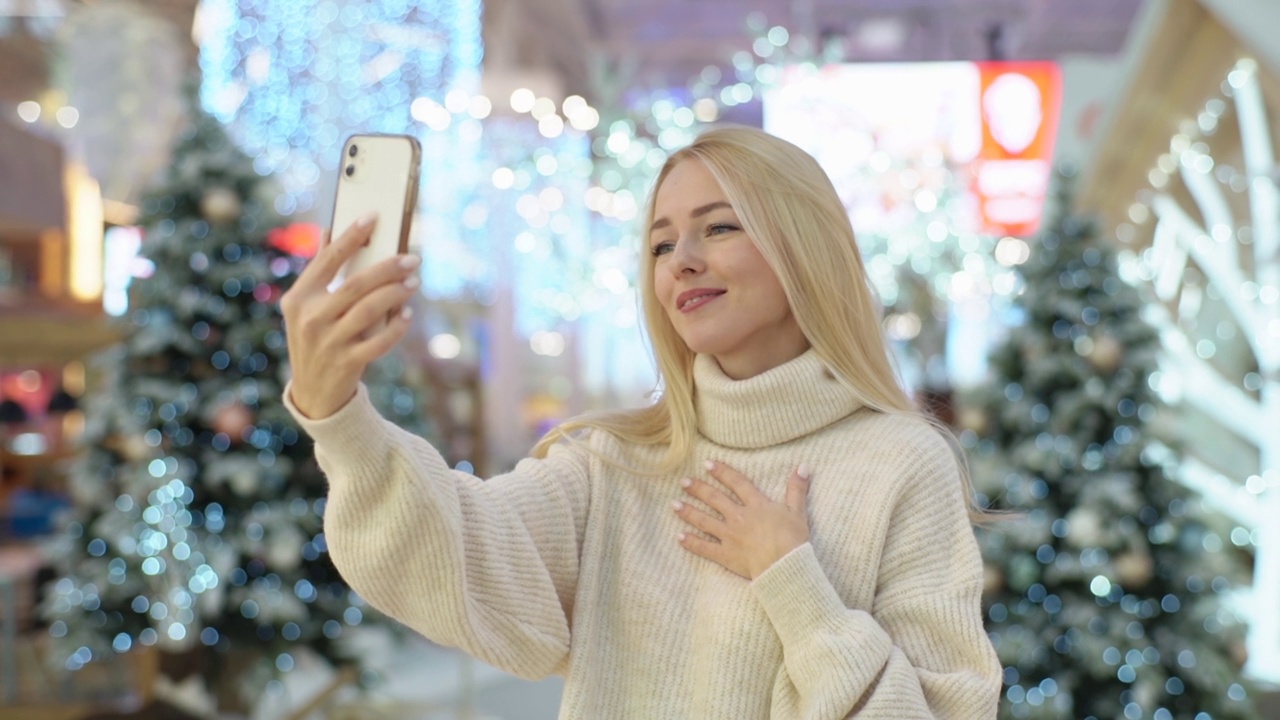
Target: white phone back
(383,179)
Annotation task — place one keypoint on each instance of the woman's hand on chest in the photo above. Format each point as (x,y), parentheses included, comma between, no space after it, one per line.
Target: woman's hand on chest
(748,531)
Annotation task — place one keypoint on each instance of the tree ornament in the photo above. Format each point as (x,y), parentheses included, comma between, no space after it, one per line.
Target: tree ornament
(213,337)
(232,419)
(284,548)
(1134,569)
(220,205)
(1107,354)
(992,579)
(1084,528)
(1239,652)
(130,447)
(1032,351)
(971,418)
(244,482)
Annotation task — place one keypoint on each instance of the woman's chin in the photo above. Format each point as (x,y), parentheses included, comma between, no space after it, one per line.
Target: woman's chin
(704,346)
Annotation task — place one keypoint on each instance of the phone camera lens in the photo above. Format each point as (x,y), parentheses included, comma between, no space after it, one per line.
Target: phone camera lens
(352,151)
(351,170)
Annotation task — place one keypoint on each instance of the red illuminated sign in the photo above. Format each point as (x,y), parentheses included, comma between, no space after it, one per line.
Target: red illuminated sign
(298,239)
(1020,104)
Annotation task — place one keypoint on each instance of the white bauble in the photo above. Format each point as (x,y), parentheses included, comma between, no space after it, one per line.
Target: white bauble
(992,579)
(244,482)
(1084,528)
(974,419)
(220,205)
(1134,569)
(284,548)
(232,420)
(1107,354)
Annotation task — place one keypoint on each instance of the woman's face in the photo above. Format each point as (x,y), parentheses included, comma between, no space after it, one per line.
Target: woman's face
(722,297)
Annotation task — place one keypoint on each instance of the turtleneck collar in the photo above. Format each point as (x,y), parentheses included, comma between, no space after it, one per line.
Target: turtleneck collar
(790,401)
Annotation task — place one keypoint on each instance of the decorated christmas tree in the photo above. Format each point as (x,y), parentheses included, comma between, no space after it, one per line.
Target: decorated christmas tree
(1110,586)
(198,504)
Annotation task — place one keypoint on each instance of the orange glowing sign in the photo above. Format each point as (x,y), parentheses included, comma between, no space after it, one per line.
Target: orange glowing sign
(968,143)
(298,239)
(1021,103)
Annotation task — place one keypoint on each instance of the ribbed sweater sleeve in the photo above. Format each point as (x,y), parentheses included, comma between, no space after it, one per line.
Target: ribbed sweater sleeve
(922,651)
(487,566)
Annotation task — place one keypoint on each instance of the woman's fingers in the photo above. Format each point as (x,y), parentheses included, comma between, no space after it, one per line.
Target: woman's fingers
(702,547)
(797,498)
(739,484)
(371,310)
(381,341)
(330,308)
(397,270)
(324,267)
(714,498)
(751,534)
(702,521)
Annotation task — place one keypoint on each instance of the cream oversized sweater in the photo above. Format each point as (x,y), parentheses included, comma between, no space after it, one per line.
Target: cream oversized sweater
(567,565)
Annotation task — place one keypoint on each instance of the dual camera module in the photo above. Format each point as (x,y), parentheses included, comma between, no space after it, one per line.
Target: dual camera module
(351,152)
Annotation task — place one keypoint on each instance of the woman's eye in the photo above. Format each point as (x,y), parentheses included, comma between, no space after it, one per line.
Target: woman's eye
(661,248)
(720,228)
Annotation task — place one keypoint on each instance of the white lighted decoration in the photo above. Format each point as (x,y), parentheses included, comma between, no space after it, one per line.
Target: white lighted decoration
(1239,259)
(84,229)
(1012,109)
(122,66)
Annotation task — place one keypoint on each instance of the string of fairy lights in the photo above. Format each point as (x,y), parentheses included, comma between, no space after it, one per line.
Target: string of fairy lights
(293,78)
(610,153)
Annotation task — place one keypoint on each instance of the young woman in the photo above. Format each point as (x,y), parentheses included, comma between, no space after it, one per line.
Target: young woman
(780,535)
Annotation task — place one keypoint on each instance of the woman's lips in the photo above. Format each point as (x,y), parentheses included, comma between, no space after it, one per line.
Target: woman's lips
(694,299)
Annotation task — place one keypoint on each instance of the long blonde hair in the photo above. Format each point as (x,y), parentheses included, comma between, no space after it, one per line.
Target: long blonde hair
(790,209)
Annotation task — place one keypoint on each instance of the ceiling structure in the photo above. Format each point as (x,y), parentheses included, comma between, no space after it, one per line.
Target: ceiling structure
(665,43)
(27,62)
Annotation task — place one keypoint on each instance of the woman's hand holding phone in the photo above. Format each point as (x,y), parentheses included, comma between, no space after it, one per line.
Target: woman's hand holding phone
(333,336)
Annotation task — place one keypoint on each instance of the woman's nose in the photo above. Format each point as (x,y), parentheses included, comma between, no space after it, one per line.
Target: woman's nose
(687,257)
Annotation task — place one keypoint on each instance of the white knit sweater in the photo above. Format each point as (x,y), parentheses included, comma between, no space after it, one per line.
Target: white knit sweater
(569,566)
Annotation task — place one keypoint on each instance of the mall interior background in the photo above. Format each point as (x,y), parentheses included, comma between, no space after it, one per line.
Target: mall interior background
(167,166)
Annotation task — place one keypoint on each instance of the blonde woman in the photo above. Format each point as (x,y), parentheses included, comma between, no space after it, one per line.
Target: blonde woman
(779,535)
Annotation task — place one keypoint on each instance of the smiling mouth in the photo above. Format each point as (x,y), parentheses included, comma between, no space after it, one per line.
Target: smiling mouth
(694,303)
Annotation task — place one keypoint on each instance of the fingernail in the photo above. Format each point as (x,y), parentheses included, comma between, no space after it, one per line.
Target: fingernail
(366,219)
(685,482)
(412,281)
(680,537)
(710,464)
(803,471)
(677,505)
(409,262)
(406,312)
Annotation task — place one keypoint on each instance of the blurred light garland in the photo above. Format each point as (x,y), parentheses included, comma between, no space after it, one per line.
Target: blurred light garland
(476,156)
(294,78)
(923,254)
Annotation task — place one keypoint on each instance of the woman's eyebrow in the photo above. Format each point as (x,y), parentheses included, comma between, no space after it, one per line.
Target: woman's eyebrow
(697,212)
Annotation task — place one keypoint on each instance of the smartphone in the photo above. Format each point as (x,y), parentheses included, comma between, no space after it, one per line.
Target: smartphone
(378,173)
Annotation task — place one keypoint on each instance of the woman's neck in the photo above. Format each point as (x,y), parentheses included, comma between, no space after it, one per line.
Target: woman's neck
(785,402)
